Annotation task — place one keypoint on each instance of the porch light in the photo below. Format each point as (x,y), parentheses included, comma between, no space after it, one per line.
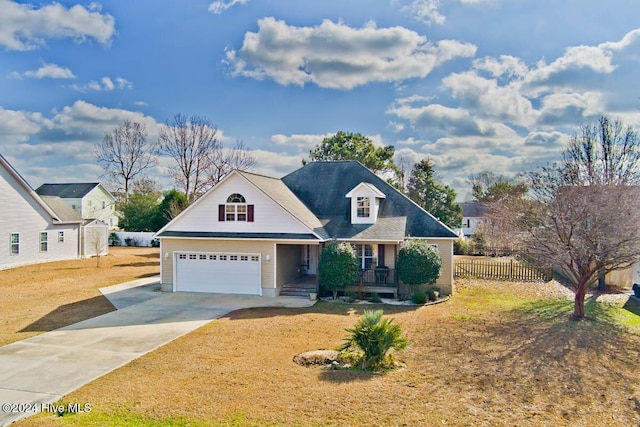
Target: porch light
(166,255)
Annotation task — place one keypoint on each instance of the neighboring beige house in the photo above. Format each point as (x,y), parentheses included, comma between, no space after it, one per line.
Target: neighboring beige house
(252,234)
(91,200)
(33,229)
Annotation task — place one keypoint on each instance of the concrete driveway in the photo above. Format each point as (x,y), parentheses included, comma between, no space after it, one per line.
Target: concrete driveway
(40,370)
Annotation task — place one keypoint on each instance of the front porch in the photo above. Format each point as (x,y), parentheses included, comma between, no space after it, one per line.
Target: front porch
(378,280)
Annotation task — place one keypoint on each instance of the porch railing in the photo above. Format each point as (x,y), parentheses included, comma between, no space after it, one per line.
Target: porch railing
(377,277)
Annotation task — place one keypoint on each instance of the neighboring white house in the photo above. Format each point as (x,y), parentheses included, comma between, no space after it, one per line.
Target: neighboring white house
(472,216)
(91,200)
(33,229)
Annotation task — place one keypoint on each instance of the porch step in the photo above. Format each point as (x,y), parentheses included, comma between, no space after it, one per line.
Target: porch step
(297,289)
(296,292)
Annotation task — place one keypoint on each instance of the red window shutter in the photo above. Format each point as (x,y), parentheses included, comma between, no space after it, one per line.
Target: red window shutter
(381,262)
(250,213)
(221,213)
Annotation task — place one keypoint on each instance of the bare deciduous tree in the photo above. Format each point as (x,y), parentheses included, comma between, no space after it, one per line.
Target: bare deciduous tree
(585,231)
(200,159)
(189,142)
(227,159)
(582,217)
(125,153)
(603,153)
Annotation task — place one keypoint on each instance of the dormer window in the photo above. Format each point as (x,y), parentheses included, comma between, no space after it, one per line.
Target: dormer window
(363,207)
(236,209)
(365,203)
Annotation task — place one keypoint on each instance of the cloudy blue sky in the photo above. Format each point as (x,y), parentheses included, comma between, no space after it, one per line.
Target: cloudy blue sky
(473,84)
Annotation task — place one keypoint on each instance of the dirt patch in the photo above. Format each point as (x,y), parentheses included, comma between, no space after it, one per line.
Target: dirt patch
(490,356)
(43,297)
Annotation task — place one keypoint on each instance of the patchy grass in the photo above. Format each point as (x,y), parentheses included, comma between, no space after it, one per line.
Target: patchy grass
(43,297)
(497,353)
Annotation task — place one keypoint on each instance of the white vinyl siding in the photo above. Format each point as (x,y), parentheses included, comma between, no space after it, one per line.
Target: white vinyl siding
(269,217)
(22,215)
(99,204)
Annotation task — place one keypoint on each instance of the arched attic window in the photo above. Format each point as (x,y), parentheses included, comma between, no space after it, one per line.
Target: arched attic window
(236,209)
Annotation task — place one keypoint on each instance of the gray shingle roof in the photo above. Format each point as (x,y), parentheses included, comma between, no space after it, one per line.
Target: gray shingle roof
(474,209)
(64,211)
(281,194)
(322,187)
(67,191)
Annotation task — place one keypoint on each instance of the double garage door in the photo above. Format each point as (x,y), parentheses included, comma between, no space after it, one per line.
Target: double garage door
(227,273)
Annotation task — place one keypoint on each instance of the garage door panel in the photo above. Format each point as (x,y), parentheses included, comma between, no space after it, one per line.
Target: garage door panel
(218,272)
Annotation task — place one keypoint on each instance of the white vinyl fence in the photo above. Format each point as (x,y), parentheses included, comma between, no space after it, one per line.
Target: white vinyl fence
(131,238)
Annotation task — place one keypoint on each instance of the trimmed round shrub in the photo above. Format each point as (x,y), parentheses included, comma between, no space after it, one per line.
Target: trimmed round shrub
(419,298)
(337,267)
(418,263)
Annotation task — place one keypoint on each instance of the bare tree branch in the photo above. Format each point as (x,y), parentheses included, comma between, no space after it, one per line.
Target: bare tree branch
(125,153)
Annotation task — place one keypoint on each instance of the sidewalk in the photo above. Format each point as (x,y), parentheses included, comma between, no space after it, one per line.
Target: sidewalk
(42,369)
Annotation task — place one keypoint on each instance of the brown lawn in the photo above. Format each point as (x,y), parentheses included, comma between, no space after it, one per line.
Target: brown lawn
(496,354)
(42,297)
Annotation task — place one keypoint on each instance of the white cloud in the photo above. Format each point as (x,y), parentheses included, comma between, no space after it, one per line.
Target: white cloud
(24,27)
(428,11)
(506,65)
(51,71)
(488,98)
(61,147)
(397,127)
(334,55)
(425,11)
(105,84)
(303,143)
(18,126)
(218,7)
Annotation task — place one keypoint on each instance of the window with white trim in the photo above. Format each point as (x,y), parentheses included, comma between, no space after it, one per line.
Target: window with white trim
(43,241)
(363,207)
(236,208)
(15,243)
(365,255)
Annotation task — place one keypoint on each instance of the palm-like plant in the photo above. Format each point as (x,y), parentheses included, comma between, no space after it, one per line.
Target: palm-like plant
(375,337)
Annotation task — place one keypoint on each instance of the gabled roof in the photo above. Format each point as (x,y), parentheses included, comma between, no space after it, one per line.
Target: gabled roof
(322,187)
(67,191)
(64,211)
(5,163)
(281,194)
(474,209)
(372,188)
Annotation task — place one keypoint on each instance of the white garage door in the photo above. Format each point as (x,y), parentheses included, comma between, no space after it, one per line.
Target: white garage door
(217,272)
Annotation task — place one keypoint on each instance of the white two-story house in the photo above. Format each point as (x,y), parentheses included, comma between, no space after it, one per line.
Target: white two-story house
(91,200)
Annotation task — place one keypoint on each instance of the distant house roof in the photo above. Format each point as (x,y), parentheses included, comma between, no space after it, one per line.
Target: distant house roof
(474,209)
(322,187)
(67,191)
(64,211)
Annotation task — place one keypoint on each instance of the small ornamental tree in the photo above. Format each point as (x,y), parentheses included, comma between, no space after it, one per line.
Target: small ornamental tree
(337,267)
(418,263)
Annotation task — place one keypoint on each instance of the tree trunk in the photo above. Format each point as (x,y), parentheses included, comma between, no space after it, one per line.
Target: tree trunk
(578,304)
